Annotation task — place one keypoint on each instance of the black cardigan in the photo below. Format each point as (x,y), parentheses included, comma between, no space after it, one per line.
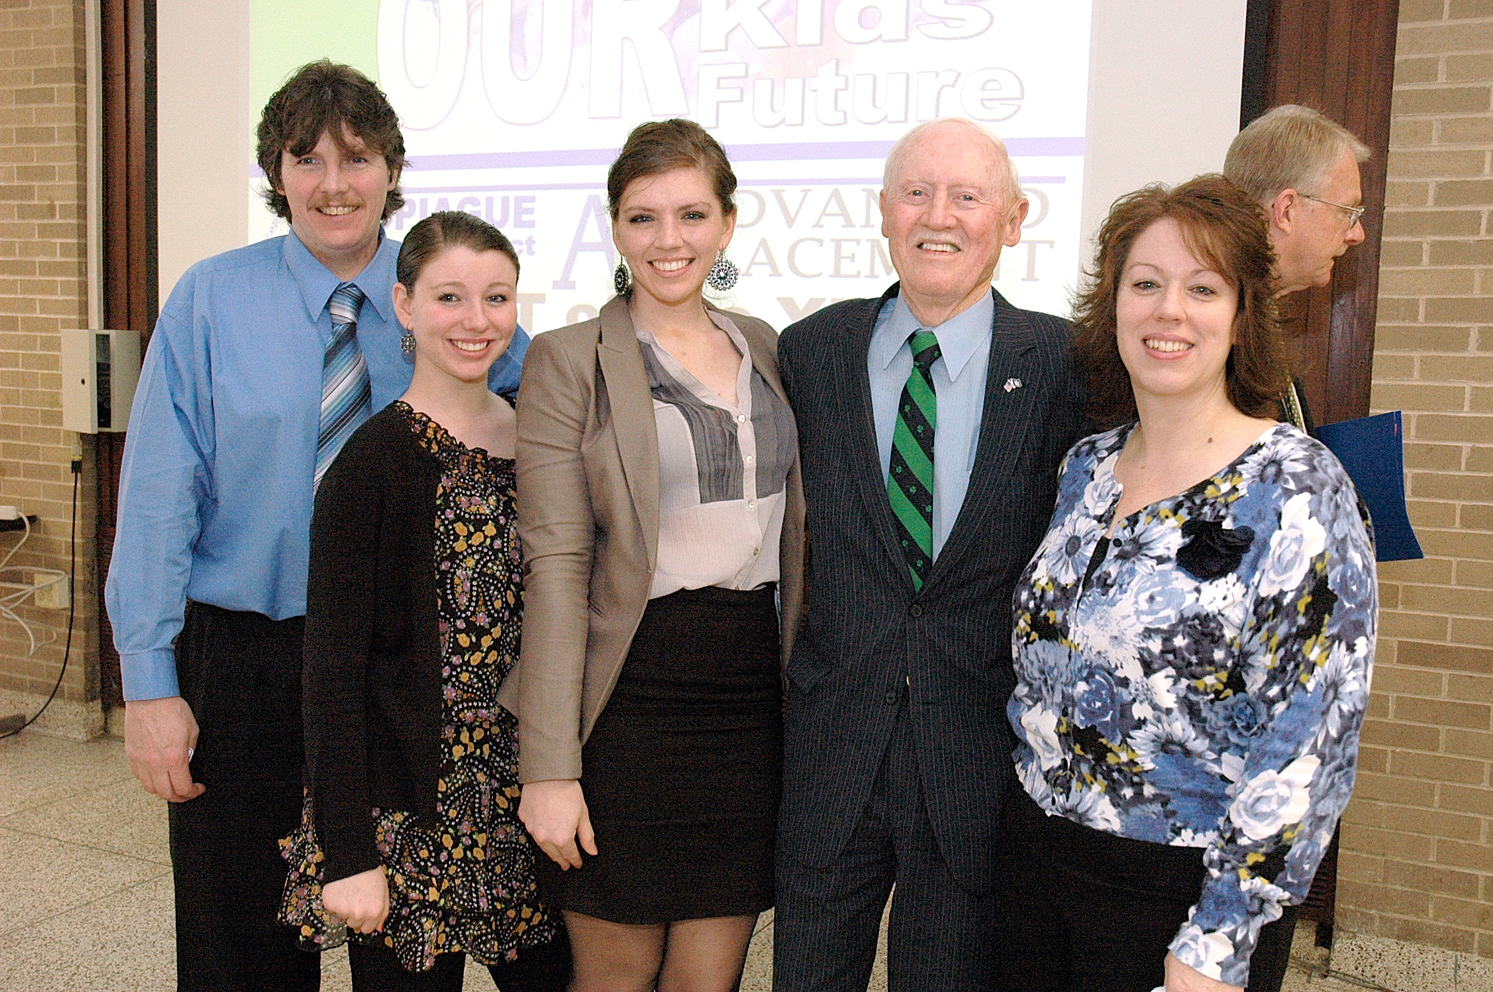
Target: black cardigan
(371,695)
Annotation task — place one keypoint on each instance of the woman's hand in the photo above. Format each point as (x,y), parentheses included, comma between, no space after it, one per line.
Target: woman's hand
(554,812)
(362,900)
(1181,978)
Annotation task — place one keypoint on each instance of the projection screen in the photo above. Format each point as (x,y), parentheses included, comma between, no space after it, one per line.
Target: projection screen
(513,109)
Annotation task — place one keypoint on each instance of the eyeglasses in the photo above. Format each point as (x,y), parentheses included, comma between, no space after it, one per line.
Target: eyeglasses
(1354,213)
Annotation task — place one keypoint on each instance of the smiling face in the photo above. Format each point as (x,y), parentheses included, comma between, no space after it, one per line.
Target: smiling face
(336,198)
(1174,317)
(462,311)
(945,216)
(1316,232)
(670,228)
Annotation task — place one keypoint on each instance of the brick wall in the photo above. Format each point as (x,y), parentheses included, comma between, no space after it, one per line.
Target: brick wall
(1417,862)
(42,290)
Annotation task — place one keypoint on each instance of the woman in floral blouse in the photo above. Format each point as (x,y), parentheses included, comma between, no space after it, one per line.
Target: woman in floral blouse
(1194,637)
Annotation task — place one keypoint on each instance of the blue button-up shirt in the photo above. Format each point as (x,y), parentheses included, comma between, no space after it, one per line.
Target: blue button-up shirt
(958,381)
(215,489)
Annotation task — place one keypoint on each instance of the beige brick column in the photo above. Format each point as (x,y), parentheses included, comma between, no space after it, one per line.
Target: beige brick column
(42,290)
(1417,861)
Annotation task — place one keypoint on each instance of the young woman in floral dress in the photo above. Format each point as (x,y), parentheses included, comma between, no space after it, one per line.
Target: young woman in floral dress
(410,841)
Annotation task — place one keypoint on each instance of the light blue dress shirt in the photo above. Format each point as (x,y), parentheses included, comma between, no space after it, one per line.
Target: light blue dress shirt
(215,489)
(959,382)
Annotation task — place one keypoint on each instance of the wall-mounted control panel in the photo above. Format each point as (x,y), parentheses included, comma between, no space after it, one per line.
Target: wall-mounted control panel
(99,373)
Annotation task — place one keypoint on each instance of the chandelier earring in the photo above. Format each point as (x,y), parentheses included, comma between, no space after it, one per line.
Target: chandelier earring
(723,274)
(407,342)
(621,277)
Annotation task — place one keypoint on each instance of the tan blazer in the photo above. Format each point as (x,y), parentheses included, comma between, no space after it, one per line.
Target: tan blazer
(588,516)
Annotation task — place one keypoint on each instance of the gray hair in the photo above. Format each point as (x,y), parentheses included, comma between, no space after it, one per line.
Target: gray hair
(1289,147)
(1009,183)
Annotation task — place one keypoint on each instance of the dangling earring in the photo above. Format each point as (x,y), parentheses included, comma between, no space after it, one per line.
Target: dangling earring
(621,278)
(723,274)
(407,343)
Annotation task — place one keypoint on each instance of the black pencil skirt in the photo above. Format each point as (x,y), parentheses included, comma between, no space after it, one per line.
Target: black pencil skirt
(682,771)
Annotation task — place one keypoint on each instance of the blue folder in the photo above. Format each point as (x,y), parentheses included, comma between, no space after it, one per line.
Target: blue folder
(1372,450)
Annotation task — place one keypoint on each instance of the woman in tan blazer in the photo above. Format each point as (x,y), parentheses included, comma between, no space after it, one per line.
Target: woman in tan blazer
(662,520)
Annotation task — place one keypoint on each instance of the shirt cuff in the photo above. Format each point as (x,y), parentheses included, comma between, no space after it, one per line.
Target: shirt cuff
(1203,951)
(148,675)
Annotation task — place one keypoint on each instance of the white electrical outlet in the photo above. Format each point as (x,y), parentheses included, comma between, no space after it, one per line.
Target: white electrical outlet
(9,513)
(57,596)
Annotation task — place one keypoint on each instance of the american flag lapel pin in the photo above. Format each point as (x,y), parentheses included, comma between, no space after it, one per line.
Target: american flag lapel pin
(1012,383)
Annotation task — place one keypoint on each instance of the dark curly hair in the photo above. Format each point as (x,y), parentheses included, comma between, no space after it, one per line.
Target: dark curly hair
(325,97)
(1225,229)
(659,146)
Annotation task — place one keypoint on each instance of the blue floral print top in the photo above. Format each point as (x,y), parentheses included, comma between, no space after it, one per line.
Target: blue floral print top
(1205,684)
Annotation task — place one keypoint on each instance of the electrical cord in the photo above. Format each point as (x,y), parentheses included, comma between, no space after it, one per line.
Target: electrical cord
(72,599)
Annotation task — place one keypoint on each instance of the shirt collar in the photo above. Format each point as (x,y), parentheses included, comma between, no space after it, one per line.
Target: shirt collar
(317,282)
(959,337)
(717,318)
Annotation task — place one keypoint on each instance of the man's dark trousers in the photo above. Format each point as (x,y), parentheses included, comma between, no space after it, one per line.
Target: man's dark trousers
(939,933)
(241,674)
(896,745)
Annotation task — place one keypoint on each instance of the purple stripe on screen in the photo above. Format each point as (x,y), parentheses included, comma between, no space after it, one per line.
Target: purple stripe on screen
(521,188)
(785,151)
(812,181)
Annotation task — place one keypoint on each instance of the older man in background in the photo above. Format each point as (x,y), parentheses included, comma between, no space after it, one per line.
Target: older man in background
(931,421)
(1302,167)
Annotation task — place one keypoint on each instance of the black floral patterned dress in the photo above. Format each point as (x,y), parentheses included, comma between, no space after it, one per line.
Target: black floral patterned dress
(463,882)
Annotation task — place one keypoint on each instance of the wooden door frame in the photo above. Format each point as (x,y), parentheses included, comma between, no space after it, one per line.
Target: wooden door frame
(127,49)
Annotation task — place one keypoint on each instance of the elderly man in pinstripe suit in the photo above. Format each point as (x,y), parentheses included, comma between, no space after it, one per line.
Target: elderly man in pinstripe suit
(932,421)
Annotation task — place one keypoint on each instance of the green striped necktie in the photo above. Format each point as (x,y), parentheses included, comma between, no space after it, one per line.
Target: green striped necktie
(910,481)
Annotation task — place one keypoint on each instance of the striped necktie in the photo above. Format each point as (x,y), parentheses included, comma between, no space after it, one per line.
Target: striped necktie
(346,396)
(910,481)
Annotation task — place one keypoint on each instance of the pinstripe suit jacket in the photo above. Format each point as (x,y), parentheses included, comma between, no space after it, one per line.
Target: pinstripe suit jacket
(866,638)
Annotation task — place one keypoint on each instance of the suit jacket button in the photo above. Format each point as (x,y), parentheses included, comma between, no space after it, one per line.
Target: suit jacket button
(891,696)
(915,610)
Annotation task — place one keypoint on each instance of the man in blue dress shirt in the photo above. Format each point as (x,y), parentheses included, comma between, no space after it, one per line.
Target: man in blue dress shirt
(931,423)
(207,586)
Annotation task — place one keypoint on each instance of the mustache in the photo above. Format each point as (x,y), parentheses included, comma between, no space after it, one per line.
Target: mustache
(919,237)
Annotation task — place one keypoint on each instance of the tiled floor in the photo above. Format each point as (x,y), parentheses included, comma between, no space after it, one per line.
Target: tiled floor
(85,882)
